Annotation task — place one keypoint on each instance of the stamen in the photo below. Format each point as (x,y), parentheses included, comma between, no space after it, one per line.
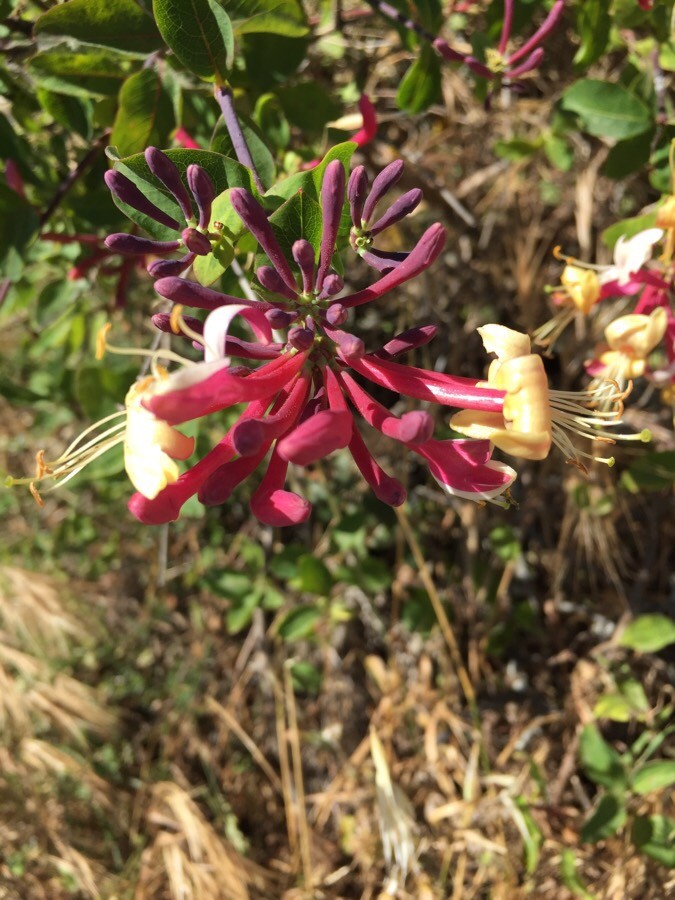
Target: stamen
(102,346)
(573,261)
(36,494)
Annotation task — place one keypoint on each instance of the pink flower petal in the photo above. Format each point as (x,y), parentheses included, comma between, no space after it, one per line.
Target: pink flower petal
(316,437)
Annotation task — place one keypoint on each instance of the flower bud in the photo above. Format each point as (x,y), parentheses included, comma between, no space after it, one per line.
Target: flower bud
(196,241)
(203,191)
(132,245)
(386,179)
(126,191)
(336,314)
(357,190)
(398,210)
(301,338)
(163,168)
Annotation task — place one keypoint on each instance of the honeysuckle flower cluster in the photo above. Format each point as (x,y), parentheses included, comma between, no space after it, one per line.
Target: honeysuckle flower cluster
(304,376)
(500,66)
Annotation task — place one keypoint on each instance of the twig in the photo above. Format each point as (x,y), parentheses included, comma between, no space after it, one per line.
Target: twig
(296,757)
(73,176)
(225,100)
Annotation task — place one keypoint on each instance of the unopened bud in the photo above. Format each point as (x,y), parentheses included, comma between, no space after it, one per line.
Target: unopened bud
(163,168)
(196,241)
(203,191)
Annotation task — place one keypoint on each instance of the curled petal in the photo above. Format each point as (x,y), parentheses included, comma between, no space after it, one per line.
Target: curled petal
(218,323)
(464,469)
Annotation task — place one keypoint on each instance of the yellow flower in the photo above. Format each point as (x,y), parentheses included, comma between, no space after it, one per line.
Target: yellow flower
(582,286)
(630,340)
(534,417)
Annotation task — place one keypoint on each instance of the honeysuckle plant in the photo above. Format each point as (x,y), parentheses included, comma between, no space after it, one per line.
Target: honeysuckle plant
(303,380)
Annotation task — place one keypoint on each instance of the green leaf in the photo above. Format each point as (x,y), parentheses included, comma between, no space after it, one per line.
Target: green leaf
(241,609)
(200,34)
(655,836)
(121,24)
(654,776)
(299,217)
(516,149)
(99,390)
(73,113)
(270,119)
(559,152)
(627,228)
(299,623)
(606,819)
(224,173)
(601,762)
(649,634)
(144,115)
(285,17)
(312,576)
(88,73)
(18,221)
(607,110)
(421,85)
(593,27)
(628,156)
(308,106)
(208,269)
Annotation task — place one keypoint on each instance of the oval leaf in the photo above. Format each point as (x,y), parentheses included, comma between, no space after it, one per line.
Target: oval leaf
(144,115)
(654,776)
(607,110)
(121,24)
(649,634)
(200,34)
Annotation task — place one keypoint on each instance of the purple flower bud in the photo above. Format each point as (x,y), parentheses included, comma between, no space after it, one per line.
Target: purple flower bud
(351,347)
(163,268)
(254,218)
(279,318)
(126,191)
(303,254)
(203,191)
(189,293)
(131,245)
(332,285)
(161,167)
(398,210)
(383,182)
(270,279)
(248,436)
(196,241)
(408,340)
(332,200)
(532,61)
(357,190)
(336,314)
(162,321)
(301,338)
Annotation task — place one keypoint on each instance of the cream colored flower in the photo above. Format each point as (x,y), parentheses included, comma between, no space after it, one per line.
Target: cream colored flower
(534,417)
(630,340)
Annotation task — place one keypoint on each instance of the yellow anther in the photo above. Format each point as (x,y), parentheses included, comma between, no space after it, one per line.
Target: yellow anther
(176,319)
(101,340)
